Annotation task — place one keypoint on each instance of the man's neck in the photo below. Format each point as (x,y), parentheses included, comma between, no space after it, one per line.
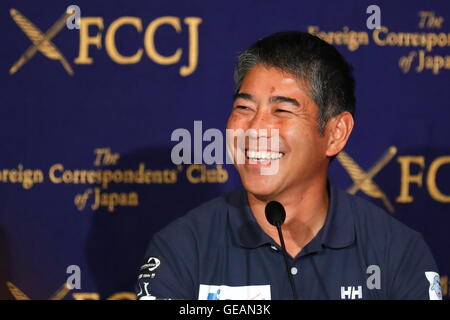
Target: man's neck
(306,212)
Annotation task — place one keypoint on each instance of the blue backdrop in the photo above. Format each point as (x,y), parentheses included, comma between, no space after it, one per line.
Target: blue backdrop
(87,106)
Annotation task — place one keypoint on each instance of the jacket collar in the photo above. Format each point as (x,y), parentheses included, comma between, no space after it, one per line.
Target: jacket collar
(337,232)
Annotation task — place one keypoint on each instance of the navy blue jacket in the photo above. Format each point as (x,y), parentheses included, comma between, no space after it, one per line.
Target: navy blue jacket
(218,251)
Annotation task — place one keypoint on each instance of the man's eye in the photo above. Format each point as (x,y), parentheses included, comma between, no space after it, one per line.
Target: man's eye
(242,107)
(282,111)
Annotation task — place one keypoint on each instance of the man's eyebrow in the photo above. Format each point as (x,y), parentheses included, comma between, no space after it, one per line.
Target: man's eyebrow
(273,99)
(243,95)
(281,99)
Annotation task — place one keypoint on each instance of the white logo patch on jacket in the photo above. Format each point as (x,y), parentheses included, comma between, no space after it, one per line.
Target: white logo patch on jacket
(435,285)
(210,292)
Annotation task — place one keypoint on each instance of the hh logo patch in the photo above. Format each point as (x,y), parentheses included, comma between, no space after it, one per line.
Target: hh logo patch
(207,292)
(435,285)
(351,292)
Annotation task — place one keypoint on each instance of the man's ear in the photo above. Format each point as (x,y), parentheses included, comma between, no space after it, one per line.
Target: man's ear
(338,131)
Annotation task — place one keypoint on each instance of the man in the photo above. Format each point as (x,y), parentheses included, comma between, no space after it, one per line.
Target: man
(339,246)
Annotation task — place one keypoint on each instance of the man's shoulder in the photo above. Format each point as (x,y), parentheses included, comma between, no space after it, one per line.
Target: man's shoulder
(375,222)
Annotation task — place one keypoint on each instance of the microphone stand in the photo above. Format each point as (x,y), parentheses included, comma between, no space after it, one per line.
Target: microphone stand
(286,262)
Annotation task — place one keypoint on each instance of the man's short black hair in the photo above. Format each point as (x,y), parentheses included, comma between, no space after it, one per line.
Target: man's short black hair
(312,60)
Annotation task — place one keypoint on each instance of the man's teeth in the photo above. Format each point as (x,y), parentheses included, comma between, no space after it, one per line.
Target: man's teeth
(263,155)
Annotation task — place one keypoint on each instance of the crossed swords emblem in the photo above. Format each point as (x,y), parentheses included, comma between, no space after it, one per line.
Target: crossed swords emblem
(41,42)
(19,295)
(363,180)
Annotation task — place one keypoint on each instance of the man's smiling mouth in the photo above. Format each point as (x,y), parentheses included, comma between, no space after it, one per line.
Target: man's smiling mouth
(263,156)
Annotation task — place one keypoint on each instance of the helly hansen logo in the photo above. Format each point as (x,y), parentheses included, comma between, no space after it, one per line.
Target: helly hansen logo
(351,292)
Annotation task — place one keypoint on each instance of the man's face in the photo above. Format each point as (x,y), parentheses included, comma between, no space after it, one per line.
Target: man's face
(270,99)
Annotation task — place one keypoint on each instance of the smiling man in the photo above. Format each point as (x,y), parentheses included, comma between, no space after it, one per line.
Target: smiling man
(339,246)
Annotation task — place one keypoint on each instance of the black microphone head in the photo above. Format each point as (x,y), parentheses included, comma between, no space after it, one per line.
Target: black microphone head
(275,213)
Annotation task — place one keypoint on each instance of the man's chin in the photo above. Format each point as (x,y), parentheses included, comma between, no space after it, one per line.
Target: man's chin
(261,189)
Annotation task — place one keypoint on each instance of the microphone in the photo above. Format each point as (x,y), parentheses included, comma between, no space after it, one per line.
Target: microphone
(276,215)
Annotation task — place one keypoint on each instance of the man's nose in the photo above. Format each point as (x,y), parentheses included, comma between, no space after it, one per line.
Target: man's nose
(261,120)
(261,128)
